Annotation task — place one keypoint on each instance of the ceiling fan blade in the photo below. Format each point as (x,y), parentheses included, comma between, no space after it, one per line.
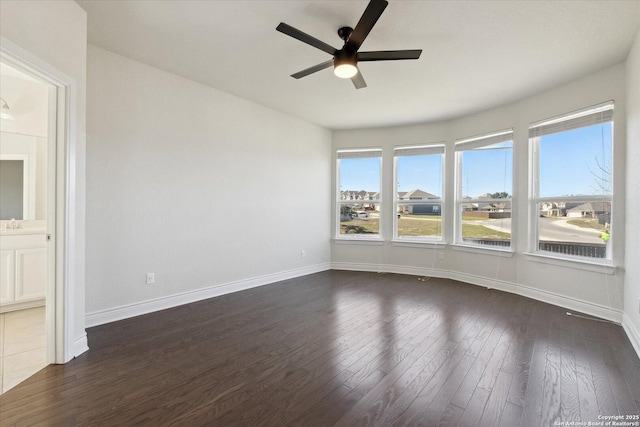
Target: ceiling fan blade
(389,55)
(306,38)
(367,21)
(313,69)
(358,81)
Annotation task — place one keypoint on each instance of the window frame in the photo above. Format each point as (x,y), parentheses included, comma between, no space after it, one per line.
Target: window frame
(472,143)
(534,179)
(427,149)
(344,153)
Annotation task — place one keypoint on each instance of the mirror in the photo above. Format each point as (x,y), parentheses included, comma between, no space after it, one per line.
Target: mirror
(12,189)
(23,174)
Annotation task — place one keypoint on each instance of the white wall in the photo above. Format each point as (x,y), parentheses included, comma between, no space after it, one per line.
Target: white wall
(632,247)
(208,191)
(570,284)
(55,32)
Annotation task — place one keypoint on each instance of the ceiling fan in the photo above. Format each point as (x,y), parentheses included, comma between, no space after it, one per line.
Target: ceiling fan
(345,60)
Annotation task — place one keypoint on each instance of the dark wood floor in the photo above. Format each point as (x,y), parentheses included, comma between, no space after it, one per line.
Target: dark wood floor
(341,348)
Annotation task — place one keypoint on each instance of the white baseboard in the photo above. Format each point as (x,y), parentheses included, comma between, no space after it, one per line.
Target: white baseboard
(632,332)
(553,298)
(570,303)
(143,307)
(80,345)
(387,268)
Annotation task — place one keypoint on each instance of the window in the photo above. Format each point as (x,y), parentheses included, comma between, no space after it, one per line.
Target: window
(358,204)
(483,190)
(419,187)
(572,183)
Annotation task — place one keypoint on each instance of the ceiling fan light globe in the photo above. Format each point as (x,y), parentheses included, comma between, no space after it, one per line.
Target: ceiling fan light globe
(4,110)
(5,114)
(345,71)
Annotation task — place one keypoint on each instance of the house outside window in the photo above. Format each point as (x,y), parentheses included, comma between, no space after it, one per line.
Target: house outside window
(484,171)
(571,184)
(359,177)
(418,201)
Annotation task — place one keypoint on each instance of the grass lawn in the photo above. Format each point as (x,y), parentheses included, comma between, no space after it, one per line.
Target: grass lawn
(482,232)
(433,217)
(360,226)
(419,225)
(472,218)
(587,223)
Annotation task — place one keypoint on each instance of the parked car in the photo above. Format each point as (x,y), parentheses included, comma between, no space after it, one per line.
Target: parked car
(361,214)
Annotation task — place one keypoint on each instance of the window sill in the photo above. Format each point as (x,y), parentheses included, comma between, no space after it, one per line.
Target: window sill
(506,253)
(603,266)
(423,244)
(358,241)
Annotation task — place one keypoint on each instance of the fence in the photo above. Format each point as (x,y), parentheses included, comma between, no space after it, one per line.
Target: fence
(485,214)
(591,250)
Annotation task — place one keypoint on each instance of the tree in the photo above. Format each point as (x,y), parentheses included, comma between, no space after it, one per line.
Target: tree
(501,195)
(602,177)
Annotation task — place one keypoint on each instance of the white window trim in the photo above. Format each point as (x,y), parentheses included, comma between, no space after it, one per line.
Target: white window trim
(502,251)
(472,143)
(598,265)
(423,244)
(353,153)
(359,241)
(536,255)
(420,240)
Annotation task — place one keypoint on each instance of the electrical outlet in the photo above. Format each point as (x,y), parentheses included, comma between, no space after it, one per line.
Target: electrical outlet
(151,278)
(441,256)
(303,253)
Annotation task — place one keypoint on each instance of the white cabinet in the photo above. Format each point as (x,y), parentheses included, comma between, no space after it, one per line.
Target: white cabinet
(23,271)
(7,275)
(31,273)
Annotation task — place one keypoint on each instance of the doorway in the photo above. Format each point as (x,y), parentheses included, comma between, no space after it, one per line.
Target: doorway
(27,223)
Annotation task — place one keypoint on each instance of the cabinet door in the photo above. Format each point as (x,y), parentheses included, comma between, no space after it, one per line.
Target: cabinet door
(7,275)
(31,274)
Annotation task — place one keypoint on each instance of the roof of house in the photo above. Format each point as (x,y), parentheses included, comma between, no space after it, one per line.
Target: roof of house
(592,207)
(417,193)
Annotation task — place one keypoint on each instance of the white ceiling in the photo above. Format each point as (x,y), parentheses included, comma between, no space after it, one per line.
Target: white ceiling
(9,71)
(476,54)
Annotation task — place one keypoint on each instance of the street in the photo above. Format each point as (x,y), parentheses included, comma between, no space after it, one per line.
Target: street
(551,229)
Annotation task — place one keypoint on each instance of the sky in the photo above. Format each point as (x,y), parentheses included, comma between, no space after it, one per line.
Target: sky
(576,162)
(420,172)
(360,174)
(487,170)
(571,162)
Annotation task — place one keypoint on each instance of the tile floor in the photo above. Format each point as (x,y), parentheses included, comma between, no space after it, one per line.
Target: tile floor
(22,346)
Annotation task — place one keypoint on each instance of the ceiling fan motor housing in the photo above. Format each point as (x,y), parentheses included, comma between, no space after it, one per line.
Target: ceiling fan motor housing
(344,33)
(344,57)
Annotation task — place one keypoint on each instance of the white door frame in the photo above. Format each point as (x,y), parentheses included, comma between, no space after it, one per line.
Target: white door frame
(62,346)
